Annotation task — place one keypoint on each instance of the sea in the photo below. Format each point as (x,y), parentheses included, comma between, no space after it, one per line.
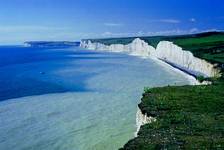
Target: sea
(72,98)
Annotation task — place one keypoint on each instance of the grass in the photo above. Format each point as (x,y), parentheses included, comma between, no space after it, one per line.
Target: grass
(208,46)
(188,117)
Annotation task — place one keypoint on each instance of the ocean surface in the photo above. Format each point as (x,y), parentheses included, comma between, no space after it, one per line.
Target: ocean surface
(71,98)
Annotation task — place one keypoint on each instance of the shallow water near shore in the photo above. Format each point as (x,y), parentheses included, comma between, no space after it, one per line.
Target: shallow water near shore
(73,99)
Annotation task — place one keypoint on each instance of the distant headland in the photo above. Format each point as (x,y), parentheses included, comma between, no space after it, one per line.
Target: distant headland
(50,44)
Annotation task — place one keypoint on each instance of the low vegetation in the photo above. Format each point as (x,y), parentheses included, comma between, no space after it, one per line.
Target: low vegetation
(188,117)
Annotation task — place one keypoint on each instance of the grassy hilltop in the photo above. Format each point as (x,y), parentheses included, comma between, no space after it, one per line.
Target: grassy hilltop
(188,117)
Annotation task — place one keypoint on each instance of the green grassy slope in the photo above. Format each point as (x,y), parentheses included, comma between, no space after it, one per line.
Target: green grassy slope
(188,117)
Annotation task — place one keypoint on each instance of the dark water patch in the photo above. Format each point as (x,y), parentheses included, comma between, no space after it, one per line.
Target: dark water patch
(29,87)
(25,86)
(53,114)
(33,71)
(83,129)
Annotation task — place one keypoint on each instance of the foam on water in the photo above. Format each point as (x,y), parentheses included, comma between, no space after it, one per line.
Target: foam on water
(100,117)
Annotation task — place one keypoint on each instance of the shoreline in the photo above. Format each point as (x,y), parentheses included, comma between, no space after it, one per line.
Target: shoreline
(192,80)
(167,51)
(144,53)
(165,54)
(155,101)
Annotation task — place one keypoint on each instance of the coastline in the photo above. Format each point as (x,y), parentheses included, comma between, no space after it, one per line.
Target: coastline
(192,80)
(169,56)
(142,118)
(169,52)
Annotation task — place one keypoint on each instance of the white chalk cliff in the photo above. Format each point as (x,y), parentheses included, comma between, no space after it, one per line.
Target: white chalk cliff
(175,54)
(142,119)
(165,50)
(138,47)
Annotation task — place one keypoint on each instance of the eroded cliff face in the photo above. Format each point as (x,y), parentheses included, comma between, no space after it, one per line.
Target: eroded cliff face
(142,119)
(165,51)
(138,47)
(175,54)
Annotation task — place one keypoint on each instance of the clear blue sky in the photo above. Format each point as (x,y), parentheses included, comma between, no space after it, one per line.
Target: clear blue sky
(22,20)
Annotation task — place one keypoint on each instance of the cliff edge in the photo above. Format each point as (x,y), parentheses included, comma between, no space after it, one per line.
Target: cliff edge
(165,51)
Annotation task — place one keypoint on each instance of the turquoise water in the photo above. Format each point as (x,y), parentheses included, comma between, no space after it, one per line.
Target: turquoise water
(72,99)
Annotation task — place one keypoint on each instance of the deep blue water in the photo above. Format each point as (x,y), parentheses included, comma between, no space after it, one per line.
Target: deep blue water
(26,71)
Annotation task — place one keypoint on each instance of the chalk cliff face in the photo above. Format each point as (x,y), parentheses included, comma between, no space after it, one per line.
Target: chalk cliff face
(165,51)
(142,119)
(138,47)
(175,54)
